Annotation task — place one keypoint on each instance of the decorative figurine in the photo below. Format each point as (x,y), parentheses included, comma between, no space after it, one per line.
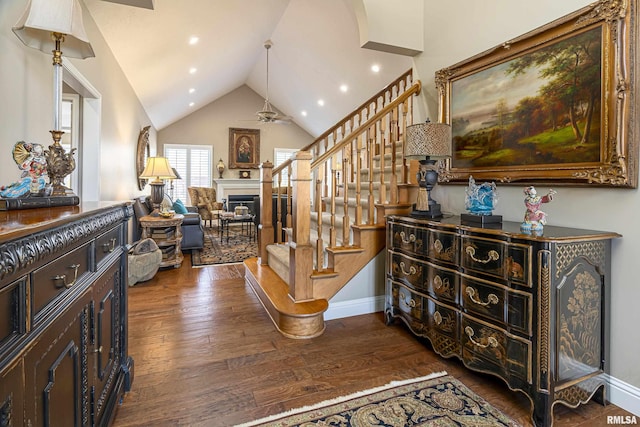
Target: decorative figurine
(480,199)
(534,218)
(34,178)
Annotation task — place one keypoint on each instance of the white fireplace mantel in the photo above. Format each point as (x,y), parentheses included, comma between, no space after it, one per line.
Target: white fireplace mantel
(227,186)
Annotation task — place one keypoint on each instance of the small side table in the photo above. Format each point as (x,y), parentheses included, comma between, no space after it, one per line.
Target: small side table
(167,233)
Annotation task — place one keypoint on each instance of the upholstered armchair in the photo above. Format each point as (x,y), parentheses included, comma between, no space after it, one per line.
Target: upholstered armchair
(204,198)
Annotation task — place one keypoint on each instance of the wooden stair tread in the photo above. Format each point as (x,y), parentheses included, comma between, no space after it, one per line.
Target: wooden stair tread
(278,292)
(344,249)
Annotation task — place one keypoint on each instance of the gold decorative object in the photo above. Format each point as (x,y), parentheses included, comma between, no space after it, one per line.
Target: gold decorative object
(142,154)
(46,25)
(244,148)
(584,65)
(220,167)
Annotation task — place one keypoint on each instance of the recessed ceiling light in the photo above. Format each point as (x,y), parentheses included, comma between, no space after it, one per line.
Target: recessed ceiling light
(344,88)
(191,90)
(304,113)
(193,40)
(375,68)
(321,102)
(191,104)
(193,70)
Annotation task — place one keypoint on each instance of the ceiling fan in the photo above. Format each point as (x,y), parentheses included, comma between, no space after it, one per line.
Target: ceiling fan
(267,114)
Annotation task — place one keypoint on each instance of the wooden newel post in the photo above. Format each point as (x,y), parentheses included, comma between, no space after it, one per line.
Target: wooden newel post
(265,228)
(300,249)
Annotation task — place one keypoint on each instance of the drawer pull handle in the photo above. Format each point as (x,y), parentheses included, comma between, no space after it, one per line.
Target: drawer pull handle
(438,282)
(492,255)
(412,270)
(411,303)
(491,298)
(412,238)
(109,247)
(491,341)
(98,350)
(437,317)
(63,277)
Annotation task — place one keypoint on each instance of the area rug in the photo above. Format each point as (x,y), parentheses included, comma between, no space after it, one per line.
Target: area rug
(239,248)
(435,400)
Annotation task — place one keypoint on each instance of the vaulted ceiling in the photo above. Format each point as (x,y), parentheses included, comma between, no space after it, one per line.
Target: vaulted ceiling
(316,49)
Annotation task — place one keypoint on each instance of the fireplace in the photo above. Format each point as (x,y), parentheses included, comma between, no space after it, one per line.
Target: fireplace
(234,200)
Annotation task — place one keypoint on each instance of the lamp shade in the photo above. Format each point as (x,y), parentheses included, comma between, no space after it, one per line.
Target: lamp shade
(428,139)
(157,168)
(43,17)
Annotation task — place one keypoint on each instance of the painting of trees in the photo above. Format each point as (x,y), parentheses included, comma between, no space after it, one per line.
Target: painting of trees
(541,107)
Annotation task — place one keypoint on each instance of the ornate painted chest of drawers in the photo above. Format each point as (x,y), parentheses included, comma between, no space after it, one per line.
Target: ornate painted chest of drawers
(529,309)
(63,315)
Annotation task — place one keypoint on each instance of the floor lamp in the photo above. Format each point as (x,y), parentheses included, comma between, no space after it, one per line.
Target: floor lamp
(427,142)
(46,25)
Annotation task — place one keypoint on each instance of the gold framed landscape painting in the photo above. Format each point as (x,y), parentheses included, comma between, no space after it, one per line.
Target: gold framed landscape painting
(244,148)
(554,105)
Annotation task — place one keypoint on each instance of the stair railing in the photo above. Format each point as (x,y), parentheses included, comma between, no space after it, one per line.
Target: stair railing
(348,150)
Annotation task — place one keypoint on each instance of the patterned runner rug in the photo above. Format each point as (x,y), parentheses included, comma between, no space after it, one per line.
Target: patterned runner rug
(239,248)
(436,400)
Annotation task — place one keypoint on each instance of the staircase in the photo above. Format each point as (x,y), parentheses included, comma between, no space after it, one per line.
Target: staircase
(338,190)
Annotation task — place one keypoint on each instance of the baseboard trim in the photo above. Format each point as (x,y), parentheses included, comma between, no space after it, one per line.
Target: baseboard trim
(621,394)
(624,395)
(356,307)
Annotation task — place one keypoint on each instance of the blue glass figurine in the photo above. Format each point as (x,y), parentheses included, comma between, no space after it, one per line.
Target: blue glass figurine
(481,199)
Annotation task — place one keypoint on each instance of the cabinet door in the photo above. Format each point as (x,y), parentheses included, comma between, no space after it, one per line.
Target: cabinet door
(105,362)
(56,379)
(12,396)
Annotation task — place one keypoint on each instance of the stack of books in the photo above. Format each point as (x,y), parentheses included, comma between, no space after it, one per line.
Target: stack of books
(168,252)
(163,233)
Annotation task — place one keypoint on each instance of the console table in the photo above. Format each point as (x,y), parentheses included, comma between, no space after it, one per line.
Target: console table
(63,324)
(530,309)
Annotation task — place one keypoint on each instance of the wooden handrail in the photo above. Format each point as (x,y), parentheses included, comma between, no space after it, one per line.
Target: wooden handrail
(375,130)
(415,89)
(342,123)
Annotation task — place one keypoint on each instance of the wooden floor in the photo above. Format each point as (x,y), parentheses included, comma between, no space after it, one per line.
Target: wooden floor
(206,354)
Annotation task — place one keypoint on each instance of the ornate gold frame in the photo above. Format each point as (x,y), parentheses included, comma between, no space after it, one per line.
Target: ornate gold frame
(244,139)
(142,153)
(617,165)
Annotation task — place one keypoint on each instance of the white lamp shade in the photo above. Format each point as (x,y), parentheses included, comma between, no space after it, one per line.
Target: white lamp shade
(43,17)
(428,139)
(157,168)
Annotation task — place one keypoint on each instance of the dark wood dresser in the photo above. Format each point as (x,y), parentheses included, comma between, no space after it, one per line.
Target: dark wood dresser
(63,315)
(532,310)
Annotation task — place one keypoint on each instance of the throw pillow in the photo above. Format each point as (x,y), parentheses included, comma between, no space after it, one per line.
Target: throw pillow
(179,207)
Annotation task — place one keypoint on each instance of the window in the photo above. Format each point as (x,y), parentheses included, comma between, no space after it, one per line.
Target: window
(281,155)
(193,164)
(70,124)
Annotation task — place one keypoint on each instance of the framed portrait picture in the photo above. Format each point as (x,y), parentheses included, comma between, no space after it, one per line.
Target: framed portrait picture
(244,148)
(552,105)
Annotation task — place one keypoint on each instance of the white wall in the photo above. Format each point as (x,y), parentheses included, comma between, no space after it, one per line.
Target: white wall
(473,27)
(26,88)
(210,126)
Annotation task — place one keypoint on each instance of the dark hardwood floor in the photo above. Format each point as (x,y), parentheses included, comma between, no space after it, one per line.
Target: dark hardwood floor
(206,354)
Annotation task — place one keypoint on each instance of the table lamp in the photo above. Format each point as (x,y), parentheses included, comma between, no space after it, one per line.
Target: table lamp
(46,25)
(157,169)
(427,142)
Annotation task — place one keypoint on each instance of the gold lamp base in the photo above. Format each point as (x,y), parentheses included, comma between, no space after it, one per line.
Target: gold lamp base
(59,165)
